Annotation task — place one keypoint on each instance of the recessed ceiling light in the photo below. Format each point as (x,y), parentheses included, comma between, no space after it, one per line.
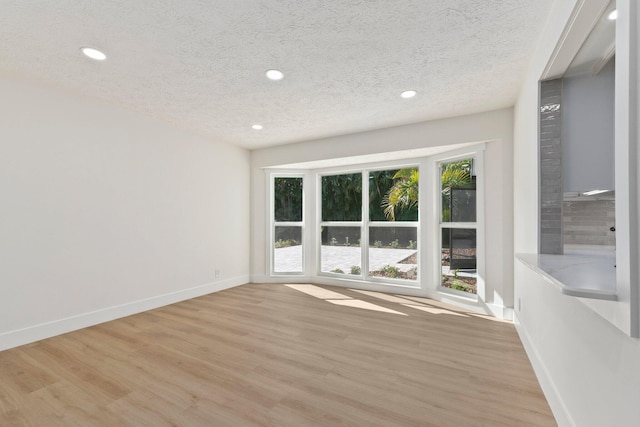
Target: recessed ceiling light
(274,75)
(257,127)
(408,94)
(93,53)
(613,15)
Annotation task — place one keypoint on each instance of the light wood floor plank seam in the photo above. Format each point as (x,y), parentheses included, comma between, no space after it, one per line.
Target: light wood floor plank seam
(270,355)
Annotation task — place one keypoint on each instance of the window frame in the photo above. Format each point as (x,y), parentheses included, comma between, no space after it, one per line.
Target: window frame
(272,223)
(365,223)
(428,281)
(477,155)
(343,224)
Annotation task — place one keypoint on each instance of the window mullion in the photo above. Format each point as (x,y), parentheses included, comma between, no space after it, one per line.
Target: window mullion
(288,223)
(394,224)
(341,223)
(458,225)
(364,228)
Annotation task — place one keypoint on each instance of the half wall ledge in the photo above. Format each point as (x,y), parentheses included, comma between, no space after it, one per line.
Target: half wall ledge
(577,274)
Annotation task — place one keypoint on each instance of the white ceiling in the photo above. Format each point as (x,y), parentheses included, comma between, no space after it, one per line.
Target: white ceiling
(201,63)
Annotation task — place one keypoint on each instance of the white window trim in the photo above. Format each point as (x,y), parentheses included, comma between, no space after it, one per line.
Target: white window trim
(272,223)
(428,224)
(478,155)
(364,224)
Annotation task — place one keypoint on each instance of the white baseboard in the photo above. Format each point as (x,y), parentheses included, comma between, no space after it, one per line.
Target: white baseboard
(263,278)
(560,411)
(505,313)
(56,327)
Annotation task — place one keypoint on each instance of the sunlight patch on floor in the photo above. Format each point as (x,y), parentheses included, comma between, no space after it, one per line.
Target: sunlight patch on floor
(419,299)
(418,303)
(340,299)
(436,303)
(380,295)
(409,302)
(318,292)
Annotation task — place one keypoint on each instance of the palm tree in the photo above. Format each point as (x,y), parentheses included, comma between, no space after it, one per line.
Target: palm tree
(455,175)
(404,192)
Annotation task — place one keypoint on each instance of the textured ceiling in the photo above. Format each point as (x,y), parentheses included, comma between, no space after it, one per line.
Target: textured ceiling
(201,63)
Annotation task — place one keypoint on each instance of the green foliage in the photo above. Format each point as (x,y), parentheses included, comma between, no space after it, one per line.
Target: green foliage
(403,195)
(333,241)
(355,269)
(390,271)
(286,243)
(342,197)
(412,245)
(337,270)
(395,244)
(458,284)
(377,244)
(379,184)
(287,199)
(454,175)
(393,272)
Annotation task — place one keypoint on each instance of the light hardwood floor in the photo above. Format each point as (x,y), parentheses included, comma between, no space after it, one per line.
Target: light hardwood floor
(274,355)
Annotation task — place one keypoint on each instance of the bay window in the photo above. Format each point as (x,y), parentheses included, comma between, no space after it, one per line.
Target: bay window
(374,225)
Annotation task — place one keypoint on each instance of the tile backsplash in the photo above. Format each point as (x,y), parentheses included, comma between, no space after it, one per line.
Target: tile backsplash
(588,222)
(550,158)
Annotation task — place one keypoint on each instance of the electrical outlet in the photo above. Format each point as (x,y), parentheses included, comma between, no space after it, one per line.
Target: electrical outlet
(217,274)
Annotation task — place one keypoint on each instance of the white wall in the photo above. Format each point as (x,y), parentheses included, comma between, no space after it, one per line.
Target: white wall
(587,367)
(106,213)
(495,126)
(588,131)
(586,363)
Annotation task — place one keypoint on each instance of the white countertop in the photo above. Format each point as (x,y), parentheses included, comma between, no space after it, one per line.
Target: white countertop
(583,271)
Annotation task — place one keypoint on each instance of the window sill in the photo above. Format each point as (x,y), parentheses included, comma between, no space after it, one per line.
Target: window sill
(581,272)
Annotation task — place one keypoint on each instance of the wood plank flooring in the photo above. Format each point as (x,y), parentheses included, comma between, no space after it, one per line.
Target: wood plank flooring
(275,355)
